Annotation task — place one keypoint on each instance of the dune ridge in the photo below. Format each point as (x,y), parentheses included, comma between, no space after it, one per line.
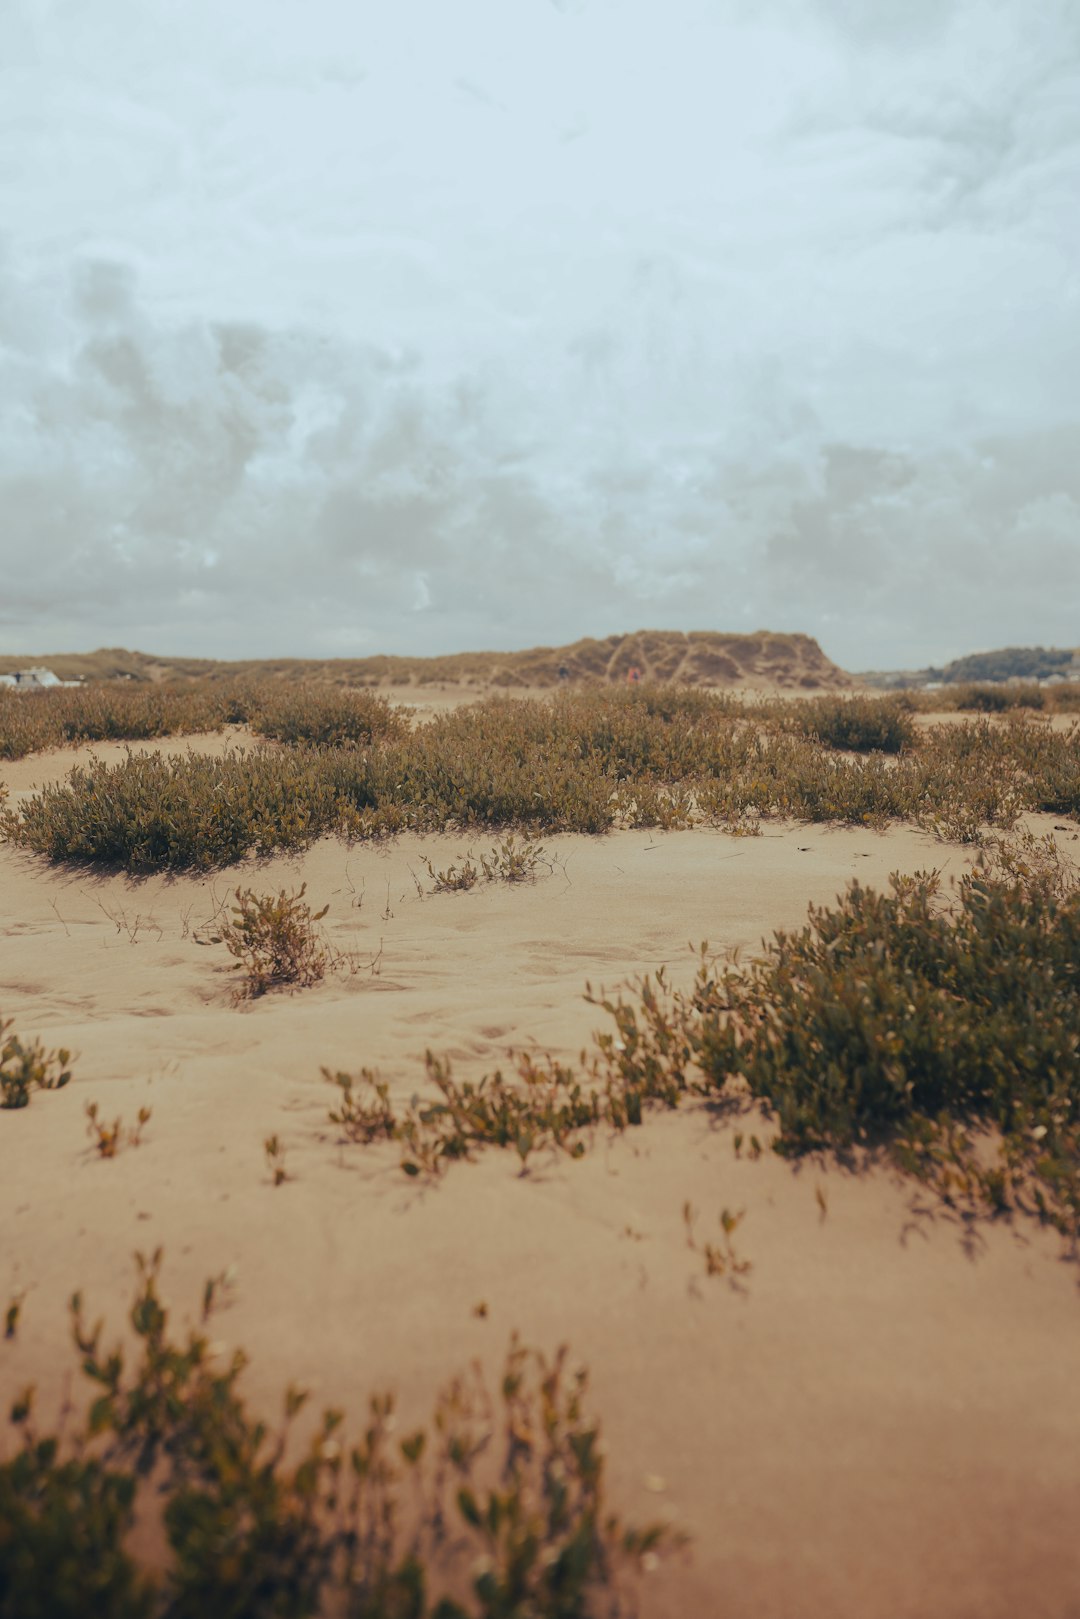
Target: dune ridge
(696,657)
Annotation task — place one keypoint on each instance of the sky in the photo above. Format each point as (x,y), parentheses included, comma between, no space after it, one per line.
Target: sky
(330,329)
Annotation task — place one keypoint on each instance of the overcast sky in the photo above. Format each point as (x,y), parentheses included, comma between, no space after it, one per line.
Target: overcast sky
(331,328)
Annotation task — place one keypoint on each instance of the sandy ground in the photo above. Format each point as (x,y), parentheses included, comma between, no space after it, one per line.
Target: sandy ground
(885,1422)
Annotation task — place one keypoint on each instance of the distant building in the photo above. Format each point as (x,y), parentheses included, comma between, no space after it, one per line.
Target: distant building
(34,680)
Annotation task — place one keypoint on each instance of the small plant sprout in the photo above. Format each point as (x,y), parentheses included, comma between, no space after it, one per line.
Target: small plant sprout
(218,1291)
(109,1138)
(365,1112)
(720,1259)
(12,1314)
(274,1148)
(511,860)
(456,879)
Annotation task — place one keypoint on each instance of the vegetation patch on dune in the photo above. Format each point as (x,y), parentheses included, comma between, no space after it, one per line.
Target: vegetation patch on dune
(310,713)
(943,1026)
(940,1027)
(650,757)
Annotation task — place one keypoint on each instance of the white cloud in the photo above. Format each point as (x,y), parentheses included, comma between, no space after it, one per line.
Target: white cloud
(316,328)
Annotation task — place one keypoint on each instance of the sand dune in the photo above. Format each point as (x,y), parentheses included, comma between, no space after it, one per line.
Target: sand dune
(884,1422)
(762,661)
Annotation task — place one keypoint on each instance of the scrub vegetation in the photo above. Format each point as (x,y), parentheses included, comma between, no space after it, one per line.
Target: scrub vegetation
(582,762)
(496,1507)
(941,1028)
(275,941)
(58,717)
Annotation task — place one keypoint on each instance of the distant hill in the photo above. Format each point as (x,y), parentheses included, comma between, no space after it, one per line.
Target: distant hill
(1010,663)
(1007,663)
(700,658)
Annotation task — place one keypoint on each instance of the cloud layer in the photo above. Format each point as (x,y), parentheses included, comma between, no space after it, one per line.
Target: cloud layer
(447,333)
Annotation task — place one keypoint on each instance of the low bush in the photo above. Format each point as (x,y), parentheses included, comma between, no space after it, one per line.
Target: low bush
(324,716)
(305,714)
(275,941)
(153,812)
(547,1106)
(512,860)
(923,1024)
(856,724)
(497,1508)
(58,717)
(996,699)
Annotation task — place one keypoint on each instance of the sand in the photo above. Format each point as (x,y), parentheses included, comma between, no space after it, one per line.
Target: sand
(883,1423)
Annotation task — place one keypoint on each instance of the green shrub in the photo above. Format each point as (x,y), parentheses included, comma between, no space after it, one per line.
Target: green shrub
(997,699)
(906,1021)
(63,1524)
(307,713)
(546,1107)
(275,942)
(897,1018)
(152,811)
(512,860)
(56,717)
(324,716)
(856,724)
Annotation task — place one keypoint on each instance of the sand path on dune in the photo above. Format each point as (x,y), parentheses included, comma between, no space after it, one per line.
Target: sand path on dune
(884,1423)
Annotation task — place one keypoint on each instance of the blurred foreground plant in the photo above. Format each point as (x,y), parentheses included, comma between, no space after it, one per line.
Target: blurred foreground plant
(497,1508)
(28,1068)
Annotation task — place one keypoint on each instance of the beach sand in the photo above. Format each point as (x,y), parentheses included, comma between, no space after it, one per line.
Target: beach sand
(883,1422)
